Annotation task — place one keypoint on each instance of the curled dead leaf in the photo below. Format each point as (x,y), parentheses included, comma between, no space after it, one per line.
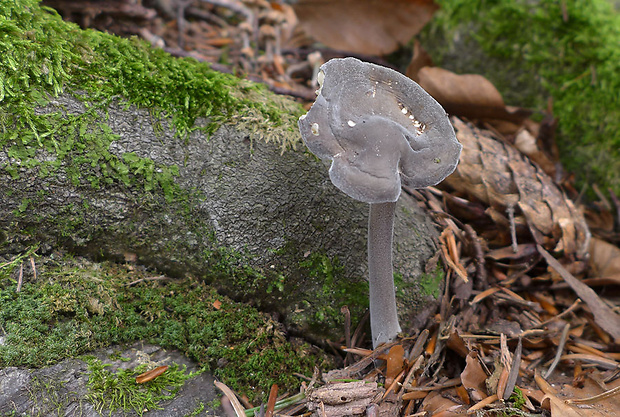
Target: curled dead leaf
(474,377)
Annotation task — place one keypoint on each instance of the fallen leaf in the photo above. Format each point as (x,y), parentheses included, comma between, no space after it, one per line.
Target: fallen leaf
(603,315)
(560,408)
(372,27)
(435,404)
(604,260)
(468,95)
(419,60)
(217,304)
(150,375)
(474,377)
(395,363)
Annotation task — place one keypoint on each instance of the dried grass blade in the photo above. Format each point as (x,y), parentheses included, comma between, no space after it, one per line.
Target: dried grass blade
(514,371)
(558,353)
(234,401)
(602,396)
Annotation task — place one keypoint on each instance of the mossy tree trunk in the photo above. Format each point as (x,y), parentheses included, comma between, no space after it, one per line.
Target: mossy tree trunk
(93,162)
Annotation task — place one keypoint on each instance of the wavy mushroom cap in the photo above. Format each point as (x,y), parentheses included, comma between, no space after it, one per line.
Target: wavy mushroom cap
(379,128)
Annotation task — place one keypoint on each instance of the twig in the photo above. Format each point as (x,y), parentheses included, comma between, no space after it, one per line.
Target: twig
(20,277)
(481,272)
(235,6)
(416,365)
(562,314)
(510,210)
(416,350)
(181,22)
(601,196)
(447,384)
(347,332)
(279,405)
(616,202)
(359,330)
(161,277)
(558,354)
(34,268)
(394,384)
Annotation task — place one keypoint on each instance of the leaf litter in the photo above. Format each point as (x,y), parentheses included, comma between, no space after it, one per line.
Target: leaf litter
(528,322)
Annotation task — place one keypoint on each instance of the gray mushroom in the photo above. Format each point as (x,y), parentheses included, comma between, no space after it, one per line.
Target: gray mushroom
(380,130)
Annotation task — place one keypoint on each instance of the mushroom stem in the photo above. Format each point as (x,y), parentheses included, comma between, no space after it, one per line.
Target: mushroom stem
(383,317)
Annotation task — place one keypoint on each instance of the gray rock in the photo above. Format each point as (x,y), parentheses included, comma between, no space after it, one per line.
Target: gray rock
(62,389)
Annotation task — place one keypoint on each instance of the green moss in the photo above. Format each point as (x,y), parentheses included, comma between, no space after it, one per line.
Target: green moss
(75,306)
(118,390)
(568,51)
(430,284)
(335,291)
(200,408)
(42,56)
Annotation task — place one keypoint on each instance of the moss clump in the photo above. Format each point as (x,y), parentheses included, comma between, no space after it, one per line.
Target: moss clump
(75,306)
(568,50)
(41,57)
(43,54)
(430,284)
(335,291)
(114,391)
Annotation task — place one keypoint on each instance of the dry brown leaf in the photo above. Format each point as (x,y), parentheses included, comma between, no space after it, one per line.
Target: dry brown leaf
(395,363)
(474,377)
(468,95)
(560,408)
(373,27)
(604,260)
(565,403)
(457,344)
(497,174)
(604,316)
(419,60)
(436,404)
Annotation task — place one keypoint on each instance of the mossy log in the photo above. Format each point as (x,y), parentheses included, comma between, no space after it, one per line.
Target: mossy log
(132,155)
(260,225)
